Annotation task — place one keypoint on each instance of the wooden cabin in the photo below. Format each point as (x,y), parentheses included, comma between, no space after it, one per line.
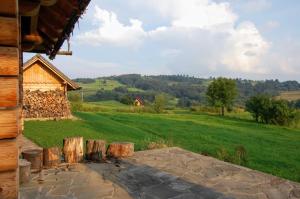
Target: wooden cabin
(38,26)
(138,102)
(45,90)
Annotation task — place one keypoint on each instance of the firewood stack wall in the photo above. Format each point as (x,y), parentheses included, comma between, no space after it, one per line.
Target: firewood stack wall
(46,104)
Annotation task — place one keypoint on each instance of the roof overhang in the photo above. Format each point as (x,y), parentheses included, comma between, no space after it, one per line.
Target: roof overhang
(46,24)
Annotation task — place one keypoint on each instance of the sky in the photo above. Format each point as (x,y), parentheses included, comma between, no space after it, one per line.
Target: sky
(249,39)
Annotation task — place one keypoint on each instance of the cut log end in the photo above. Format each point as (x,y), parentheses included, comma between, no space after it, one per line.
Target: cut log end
(35,157)
(73,149)
(120,149)
(52,157)
(95,150)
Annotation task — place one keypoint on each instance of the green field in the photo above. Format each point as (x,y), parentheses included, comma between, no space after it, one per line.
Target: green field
(289,95)
(270,149)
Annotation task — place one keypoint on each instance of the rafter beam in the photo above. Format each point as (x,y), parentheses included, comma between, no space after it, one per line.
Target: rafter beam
(29,8)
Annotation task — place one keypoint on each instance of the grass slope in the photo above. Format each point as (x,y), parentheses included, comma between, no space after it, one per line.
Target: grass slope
(270,149)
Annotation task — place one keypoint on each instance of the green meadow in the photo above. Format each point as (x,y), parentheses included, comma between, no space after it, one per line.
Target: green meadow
(270,149)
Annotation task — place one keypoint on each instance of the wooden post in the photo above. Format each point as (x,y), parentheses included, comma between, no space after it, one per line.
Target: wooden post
(51,157)
(10,101)
(73,149)
(120,149)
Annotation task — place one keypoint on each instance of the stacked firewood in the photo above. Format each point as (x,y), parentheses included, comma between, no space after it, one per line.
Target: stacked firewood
(45,104)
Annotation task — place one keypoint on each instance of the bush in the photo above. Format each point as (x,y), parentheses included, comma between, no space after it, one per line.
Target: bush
(160,102)
(126,99)
(271,111)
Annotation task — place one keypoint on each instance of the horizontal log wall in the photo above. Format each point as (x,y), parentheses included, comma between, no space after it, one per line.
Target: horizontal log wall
(10,87)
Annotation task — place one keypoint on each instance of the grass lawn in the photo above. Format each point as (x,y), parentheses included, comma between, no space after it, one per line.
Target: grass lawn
(270,149)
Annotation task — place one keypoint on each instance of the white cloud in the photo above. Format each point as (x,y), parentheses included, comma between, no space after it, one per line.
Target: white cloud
(201,34)
(245,50)
(111,31)
(203,14)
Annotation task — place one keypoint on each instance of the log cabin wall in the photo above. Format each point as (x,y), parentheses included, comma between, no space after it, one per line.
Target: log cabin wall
(10,97)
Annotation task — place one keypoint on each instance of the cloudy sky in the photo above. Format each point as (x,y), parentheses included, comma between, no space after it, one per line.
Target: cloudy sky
(253,39)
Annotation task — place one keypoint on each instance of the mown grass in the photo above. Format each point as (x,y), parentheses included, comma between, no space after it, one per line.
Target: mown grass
(270,149)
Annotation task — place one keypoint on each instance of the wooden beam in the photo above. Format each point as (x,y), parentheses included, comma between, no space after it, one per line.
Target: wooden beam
(9,184)
(9,153)
(9,91)
(9,124)
(48,2)
(8,7)
(49,31)
(9,61)
(9,31)
(29,8)
(56,18)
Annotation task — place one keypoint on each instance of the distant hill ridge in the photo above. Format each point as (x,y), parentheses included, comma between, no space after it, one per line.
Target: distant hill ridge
(181,86)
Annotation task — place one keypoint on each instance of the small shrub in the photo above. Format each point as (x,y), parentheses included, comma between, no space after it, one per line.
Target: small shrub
(223,154)
(160,144)
(240,155)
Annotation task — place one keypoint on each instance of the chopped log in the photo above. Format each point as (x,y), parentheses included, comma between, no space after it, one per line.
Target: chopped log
(9,31)
(120,149)
(51,157)
(24,169)
(73,149)
(89,149)
(8,93)
(95,150)
(8,155)
(35,157)
(9,61)
(9,184)
(46,104)
(99,150)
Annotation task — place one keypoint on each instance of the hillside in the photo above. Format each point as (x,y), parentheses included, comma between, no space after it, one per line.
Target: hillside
(184,90)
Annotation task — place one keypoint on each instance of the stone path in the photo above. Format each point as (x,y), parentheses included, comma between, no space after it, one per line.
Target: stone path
(27,144)
(166,173)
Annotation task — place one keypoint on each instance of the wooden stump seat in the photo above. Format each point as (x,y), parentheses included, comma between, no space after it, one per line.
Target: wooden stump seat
(73,149)
(35,157)
(95,150)
(24,169)
(51,157)
(120,149)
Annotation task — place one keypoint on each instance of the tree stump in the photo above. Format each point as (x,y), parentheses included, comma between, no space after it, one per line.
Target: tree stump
(73,149)
(51,157)
(89,149)
(96,150)
(35,157)
(24,169)
(120,149)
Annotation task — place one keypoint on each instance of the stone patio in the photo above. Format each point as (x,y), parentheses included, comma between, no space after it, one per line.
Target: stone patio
(165,173)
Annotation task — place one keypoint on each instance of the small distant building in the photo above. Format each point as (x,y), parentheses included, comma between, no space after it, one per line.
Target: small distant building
(138,102)
(45,90)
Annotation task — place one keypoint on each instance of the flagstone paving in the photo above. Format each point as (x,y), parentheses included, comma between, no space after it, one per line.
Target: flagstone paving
(165,173)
